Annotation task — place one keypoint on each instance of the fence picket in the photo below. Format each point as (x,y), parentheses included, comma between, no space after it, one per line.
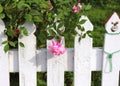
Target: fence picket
(4,68)
(55,68)
(27,57)
(111,56)
(82,65)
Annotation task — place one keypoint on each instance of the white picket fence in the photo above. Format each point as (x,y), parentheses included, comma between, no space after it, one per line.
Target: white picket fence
(82,59)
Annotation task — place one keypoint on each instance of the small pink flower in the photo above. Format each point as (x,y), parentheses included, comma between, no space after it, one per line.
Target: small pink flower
(79,5)
(56,48)
(77,8)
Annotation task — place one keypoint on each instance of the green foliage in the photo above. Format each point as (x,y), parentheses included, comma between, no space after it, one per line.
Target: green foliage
(96,78)
(8,44)
(41,79)
(69,79)
(16,12)
(6,48)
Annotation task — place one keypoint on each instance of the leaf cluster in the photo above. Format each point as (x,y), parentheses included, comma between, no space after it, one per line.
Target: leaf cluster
(16,12)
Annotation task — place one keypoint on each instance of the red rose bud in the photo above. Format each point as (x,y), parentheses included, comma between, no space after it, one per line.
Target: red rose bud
(16,31)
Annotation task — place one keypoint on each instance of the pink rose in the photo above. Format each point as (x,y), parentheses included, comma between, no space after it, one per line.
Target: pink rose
(77,8)
(57,48)
(79,5)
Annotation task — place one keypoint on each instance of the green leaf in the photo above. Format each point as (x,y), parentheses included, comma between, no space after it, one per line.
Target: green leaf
(82,29)
(58,38)
(52,33)
(84,35)
(21,28)
(2,15)
(1,8)
(60,25)
(12,43)
(50,37)
(64,2)
(34,12)
(28,17)
(79,39)
(83,6)
(89,33)
(4,42)
(88,7)
(54,26)
(25,32)
(10,32)
(79,27)
(22,4)
(20,35)
(82,21)
(37,19)
(9,15)
(6,48)
(21,44)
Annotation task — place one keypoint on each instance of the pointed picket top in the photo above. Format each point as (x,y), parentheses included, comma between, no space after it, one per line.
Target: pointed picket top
(30,26)
(87,25)
(113,24)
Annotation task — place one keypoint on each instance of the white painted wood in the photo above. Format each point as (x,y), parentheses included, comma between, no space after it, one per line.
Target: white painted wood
(27,57)
(114,18)
(42,60)
(13,60)
(55,68)
(4,68)
(41,57)
(96,59)
(111,46)
(82,58)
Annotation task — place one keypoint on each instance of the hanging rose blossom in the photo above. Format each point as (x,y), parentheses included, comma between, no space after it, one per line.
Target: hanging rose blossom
(57,48)
(77,8)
